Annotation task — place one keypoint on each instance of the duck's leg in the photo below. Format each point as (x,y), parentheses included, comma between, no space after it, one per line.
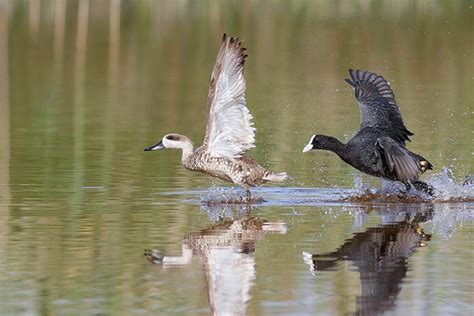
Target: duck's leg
(248,194)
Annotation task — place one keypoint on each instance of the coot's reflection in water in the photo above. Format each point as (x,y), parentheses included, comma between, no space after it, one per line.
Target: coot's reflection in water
(380,254)
(226,248)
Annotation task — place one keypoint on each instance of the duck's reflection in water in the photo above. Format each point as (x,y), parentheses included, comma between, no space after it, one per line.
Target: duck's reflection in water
(227,249)
(380,254)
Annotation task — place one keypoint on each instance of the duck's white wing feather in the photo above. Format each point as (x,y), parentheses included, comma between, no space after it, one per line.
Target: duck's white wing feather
(229,131)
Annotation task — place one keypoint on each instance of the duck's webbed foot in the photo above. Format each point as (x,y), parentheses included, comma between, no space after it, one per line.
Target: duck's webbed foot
(249,198)
(248,195)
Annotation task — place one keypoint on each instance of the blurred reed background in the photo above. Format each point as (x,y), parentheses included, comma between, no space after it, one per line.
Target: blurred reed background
(116,75)
(85,85)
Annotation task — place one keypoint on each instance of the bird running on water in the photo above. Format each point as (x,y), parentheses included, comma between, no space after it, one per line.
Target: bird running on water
(378,148)
(229,128)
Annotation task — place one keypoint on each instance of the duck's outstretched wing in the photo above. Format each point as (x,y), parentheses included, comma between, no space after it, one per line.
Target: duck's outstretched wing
(377,103)
(229,131)
(403,164)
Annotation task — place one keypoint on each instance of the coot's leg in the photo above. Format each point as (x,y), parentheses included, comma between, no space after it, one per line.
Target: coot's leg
(407,187)
(401,194)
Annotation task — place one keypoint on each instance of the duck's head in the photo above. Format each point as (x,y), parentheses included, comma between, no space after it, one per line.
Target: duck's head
(171,141)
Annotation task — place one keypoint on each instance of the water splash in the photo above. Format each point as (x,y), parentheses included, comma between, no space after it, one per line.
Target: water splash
(448,189)
(223,195)
(447,221)
(389,192)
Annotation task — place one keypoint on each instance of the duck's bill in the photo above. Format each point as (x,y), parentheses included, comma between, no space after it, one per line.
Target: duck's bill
(155,147)
(307,148)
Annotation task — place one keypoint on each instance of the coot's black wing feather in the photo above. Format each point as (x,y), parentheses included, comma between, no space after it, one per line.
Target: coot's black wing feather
(399,161)
(377,104)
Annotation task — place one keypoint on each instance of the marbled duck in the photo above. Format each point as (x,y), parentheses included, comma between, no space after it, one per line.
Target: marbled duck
(229,131)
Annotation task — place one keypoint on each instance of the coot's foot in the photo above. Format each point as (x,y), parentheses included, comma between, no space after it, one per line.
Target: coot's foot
(424,187)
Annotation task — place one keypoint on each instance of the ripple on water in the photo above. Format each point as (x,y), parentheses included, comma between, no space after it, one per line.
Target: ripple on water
(447,190)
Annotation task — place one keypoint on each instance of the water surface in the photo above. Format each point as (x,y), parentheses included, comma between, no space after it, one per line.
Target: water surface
(86,85)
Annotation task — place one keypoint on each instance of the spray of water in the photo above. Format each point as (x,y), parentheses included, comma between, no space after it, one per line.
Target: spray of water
(450,189)
(225,195)
(446,189)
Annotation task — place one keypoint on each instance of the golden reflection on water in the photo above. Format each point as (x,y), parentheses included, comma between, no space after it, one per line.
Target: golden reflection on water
(143,70)
(4,129)
(226,248)
(85,85)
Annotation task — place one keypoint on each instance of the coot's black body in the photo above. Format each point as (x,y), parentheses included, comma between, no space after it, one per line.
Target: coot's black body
(378,148)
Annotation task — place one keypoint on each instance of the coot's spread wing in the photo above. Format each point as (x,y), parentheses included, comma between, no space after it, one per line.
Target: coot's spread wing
(377,103)
(405,166)
(229,131)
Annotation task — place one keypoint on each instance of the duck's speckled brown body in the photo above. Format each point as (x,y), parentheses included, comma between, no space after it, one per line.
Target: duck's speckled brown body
(242,171)
(229,129)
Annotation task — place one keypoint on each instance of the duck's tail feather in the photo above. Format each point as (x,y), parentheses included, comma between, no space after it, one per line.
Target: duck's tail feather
(276,176)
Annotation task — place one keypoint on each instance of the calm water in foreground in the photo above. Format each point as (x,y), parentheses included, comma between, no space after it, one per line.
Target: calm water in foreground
(86,85)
